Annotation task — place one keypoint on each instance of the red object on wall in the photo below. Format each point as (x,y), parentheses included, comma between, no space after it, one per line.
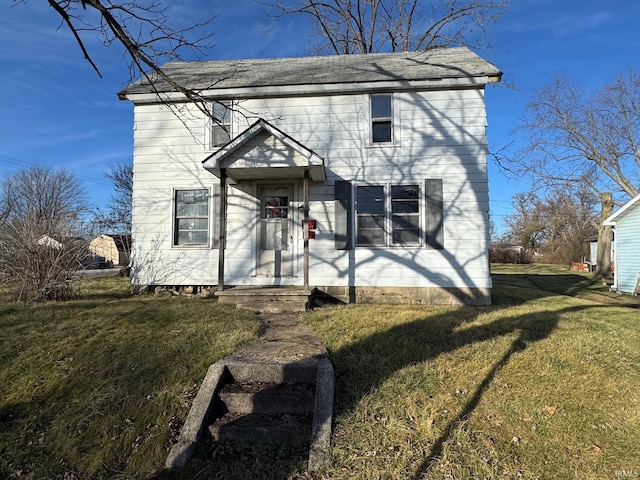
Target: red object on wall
(312,224)
(312,234)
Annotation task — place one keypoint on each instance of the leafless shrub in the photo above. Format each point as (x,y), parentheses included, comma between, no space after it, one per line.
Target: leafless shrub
(40,243)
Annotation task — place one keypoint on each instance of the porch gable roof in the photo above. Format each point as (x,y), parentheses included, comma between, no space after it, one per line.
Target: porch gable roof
(263,151)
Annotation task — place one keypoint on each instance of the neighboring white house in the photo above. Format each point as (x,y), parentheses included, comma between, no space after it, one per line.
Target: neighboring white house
(384,154)
(626,225)
(47,241)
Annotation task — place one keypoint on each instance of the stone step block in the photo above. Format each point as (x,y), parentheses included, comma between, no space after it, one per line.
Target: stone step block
(292,430)
(273,306)
(268,398)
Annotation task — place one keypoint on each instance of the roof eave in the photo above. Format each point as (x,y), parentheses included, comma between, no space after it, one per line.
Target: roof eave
(612,220)
(304,89)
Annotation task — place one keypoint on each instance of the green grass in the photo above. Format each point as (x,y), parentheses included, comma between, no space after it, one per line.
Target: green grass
(538,385)
(542,384)
(98,387)
(558,279)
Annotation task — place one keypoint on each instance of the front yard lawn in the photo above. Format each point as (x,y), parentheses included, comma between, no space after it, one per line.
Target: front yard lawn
(97,387)
(538,385)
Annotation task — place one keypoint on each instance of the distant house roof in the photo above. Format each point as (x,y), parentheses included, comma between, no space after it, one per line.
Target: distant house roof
(123,242)
(428,65)
(612,220)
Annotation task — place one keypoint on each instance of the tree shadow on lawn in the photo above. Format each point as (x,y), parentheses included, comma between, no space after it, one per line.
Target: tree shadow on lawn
(365,365)
(569,284)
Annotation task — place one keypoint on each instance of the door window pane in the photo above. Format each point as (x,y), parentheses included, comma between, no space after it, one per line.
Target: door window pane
(276,207)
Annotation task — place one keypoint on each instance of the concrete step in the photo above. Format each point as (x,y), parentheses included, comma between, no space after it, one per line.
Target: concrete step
(279,429)
(274,362)
(268,398)
(273,306)
(266,299)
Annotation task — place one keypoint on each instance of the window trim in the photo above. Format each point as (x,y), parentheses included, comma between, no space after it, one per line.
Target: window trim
(174,219)
(393,119)
(388,216)
(211,124)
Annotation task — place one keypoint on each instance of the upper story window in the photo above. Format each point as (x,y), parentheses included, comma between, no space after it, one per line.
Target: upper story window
(381,118)
(191,216)
(221,123)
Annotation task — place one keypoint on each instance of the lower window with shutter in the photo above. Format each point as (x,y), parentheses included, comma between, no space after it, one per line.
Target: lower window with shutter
(388,215)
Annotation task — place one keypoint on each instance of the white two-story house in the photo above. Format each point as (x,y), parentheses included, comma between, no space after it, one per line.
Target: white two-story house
(364,176)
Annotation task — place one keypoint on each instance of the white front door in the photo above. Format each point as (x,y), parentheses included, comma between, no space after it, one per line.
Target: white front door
(275,232)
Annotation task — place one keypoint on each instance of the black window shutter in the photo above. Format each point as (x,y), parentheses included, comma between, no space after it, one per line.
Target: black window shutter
(435,214)
(344,215)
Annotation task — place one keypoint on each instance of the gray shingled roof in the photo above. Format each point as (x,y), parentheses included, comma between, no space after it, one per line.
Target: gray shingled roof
(424,65)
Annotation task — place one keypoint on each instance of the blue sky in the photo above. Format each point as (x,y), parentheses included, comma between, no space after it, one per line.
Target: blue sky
(56,111)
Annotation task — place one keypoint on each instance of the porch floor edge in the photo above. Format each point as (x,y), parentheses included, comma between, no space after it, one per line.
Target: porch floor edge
(266,291)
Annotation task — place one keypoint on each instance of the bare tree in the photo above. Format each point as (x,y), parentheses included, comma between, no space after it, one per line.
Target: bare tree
(589,138)
(145,31)
(117,218)
(556,225)
(369,26)
(526,225)
(41,243)
(116,221)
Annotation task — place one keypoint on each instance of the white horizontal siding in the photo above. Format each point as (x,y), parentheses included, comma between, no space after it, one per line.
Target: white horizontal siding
(441,135)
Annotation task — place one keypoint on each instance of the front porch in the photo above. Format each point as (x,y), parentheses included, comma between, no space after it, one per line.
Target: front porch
(262,153)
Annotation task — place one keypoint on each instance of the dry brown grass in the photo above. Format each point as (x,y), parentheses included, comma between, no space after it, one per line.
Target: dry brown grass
(538,385)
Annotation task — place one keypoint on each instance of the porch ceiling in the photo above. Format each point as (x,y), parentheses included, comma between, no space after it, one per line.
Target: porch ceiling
(265,152)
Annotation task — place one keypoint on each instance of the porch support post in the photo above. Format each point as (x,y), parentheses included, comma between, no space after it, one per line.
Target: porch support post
(305,187)
(222,229)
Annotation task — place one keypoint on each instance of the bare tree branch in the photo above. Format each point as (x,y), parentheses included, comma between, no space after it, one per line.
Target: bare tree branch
(592,138)
(555,225)
(143,29)
(367,26)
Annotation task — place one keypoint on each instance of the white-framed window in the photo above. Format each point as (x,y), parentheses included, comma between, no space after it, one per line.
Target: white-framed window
(191,218)
(388,215)
(381,118)
(220,131)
